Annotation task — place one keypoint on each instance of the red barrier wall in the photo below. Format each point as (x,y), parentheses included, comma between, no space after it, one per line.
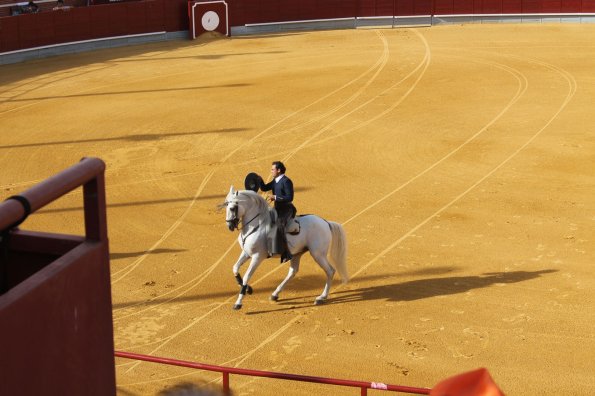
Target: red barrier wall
(446,7)
(57,324)
(56,335)
(98,21)
(262,11)
(145,16)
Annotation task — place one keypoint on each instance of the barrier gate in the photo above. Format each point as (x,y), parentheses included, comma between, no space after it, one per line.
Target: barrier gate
(56,334)
(208,16)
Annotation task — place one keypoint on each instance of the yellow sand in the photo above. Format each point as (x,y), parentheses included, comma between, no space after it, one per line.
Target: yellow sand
(460,160)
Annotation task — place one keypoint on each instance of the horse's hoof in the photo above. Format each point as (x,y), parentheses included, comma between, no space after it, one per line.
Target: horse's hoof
(249,291)
(319,301)
(274,298)
(237,306)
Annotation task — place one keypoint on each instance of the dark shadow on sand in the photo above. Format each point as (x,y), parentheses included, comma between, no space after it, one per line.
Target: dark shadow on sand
(118,256)
(126,138)
(139,91)
(104,57)
(416,290)
(265,35)
(309,283)
(199,57)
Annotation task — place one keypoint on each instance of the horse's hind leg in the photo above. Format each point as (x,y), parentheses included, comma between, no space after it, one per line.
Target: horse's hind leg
(330,272)
(293,270)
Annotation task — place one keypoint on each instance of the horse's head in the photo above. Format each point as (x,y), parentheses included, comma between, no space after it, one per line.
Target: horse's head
(233,210)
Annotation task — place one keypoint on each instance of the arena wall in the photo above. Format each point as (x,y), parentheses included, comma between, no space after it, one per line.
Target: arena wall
(79,24)
(130,22)
(244,12)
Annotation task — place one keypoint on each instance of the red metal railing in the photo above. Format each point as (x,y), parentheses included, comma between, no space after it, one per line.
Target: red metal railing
(226,371)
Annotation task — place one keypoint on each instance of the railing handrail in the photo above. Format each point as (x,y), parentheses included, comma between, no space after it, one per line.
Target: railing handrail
(18,207)
(363,385)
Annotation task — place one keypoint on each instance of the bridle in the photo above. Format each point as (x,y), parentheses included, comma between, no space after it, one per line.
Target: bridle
(234,223)
(235,220)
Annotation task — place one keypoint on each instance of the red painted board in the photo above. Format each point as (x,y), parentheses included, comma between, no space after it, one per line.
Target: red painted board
(444,7)
(512,6)
(463,7)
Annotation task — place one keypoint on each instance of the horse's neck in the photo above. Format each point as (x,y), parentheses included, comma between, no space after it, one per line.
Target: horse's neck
(251,216)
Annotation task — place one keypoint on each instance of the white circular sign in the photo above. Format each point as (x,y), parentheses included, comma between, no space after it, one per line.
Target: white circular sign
(210,21)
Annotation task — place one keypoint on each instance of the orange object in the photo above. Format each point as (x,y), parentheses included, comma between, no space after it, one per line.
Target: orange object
(473,383)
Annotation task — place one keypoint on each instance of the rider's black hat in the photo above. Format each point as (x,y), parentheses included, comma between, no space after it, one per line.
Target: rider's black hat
(252,182)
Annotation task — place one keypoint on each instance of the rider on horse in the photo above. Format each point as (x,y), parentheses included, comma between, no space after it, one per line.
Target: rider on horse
(282,187)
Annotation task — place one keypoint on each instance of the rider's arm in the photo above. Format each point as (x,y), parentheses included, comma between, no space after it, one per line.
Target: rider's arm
(267,186)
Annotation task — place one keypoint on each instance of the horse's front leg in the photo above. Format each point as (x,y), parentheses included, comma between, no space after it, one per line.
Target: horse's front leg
(236,270)
(293,270)
(254,263)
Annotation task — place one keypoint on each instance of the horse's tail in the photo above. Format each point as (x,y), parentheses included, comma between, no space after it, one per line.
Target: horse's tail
(338,250)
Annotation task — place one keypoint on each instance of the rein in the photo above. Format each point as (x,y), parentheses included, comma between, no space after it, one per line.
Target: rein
(244,226)
(251,232)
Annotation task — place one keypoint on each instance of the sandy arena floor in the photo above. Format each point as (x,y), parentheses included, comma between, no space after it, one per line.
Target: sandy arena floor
(460,160)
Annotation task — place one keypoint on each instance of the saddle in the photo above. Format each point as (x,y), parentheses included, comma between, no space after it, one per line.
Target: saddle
(274,245)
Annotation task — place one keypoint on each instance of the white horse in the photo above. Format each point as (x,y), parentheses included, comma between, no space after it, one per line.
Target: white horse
(316,235)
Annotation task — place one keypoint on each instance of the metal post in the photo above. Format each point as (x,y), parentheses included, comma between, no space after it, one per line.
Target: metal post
(95,209)
(226,390)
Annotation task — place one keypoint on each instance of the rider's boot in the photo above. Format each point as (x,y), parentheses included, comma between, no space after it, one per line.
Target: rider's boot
(286,255)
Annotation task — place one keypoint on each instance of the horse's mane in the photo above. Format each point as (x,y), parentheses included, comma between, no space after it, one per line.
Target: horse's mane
(261,203)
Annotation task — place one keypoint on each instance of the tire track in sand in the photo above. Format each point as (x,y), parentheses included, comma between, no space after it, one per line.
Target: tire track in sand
(424,62)
(572,89)
(380,63)
(572,86)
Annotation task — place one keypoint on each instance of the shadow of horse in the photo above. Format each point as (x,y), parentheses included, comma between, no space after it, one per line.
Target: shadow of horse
(418,289)
(434,287)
